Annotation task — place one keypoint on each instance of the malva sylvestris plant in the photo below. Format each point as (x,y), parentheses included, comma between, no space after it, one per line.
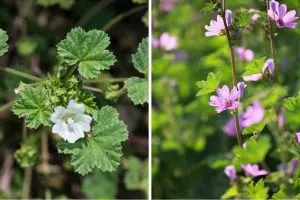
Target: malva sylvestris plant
(62,101)
(255,118)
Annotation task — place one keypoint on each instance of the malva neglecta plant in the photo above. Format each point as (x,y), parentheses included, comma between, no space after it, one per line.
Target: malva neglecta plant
(91,136)
(249,175)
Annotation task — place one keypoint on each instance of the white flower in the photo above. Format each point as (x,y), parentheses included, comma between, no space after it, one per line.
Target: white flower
(71,122)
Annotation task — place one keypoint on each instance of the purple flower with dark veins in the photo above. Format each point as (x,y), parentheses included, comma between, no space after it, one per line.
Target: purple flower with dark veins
(283,19)
(253,170)
(226,100)
(217,27)
(230,171)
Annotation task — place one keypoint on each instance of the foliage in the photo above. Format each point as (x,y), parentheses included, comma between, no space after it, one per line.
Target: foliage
(103,148)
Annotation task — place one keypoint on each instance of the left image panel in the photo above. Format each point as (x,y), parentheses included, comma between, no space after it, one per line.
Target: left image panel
(74,99)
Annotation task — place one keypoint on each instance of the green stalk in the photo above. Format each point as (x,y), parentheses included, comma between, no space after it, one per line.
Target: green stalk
(272,42)
(122,16)
(20,74)
(233,73)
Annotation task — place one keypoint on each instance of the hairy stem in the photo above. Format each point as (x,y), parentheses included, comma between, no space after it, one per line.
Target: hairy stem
(122,16)
(272,41)
(70,72)
(111,80)
(233,72)
(92,89)
(19,73)
(27,173)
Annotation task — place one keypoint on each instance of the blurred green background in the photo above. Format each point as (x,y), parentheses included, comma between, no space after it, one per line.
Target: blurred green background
(190,149)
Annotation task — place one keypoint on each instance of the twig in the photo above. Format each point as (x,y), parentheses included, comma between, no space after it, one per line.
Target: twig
(121,17)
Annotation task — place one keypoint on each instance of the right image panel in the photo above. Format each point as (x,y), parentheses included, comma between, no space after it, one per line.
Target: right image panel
(226,101)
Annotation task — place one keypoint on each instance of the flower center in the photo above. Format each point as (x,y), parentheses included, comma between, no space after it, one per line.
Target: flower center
(68,115)
(280,23)
(70,123)
(228,103)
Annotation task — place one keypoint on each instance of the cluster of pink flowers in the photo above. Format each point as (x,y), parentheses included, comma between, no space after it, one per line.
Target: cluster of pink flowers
(267,70)
(251,170)
(166,42)
(244,54)
(226,99)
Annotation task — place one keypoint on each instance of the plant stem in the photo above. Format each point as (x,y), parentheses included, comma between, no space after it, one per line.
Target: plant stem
(6,106)
(122,16)
(111,80)
(70,72)
(93,11)
(19,73)
(92,89)
(28,171)
(27,183)
(233,72)
(272,41)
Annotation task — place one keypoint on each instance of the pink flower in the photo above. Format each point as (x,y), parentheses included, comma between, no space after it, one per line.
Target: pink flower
(268,70)
(241,87)
(167,5)
(279,14)
(253,170)
(230,171)
(226,100)
(168,42)
(155,43)
(230,129)
(255,16)
(269,67)
(244,54)
(298,137)
(281,119)
(292,166)
(254,114)
(217,27)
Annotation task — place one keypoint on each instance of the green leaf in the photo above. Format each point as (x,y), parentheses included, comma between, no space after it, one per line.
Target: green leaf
(254,128)
(137,90)
(231,192)
(257,191)
(291,103)
(103,148)
(210,85)
(3,42)
(140,58)
(136,176)
(33,104)
(254,67)
(208,8)
(101,185)
(255,151)
(26,46)
(88,50)
(244,18)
